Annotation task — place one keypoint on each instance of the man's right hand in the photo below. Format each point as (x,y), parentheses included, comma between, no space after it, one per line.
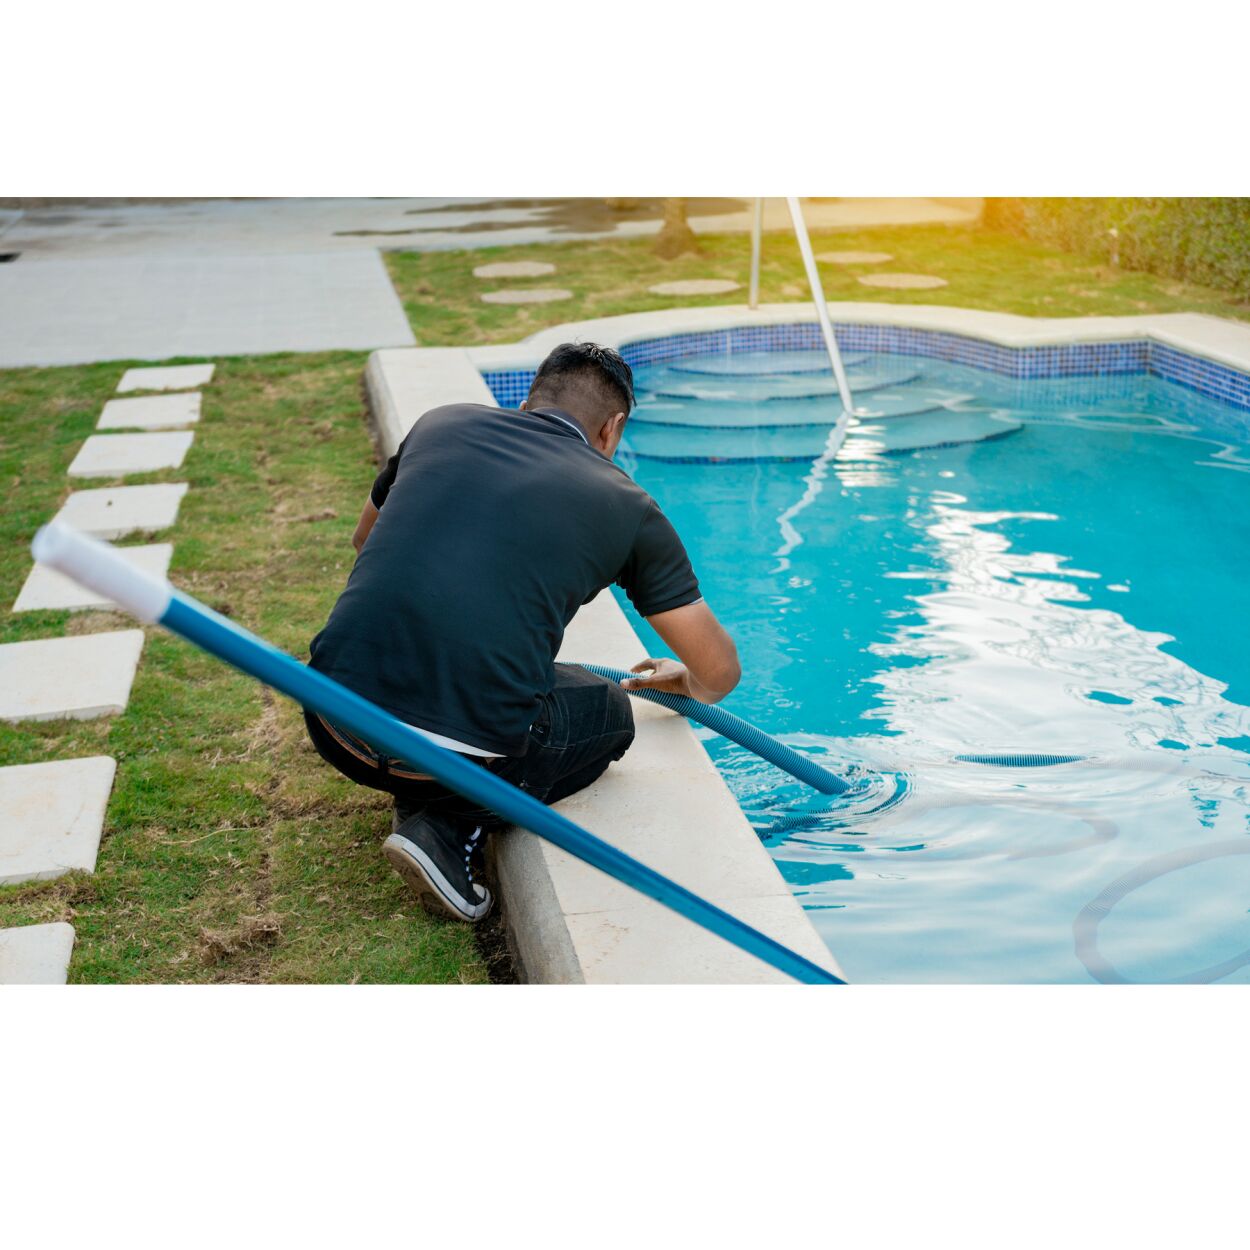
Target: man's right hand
(661,674)
(709,669)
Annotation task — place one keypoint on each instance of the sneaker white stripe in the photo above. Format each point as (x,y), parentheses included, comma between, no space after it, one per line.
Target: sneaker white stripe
(432,874)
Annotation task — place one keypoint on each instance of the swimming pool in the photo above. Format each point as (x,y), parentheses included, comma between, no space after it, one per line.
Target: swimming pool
(1048,566)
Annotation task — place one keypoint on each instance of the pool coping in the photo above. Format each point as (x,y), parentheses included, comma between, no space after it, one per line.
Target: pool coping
(1210,338)
(665,802)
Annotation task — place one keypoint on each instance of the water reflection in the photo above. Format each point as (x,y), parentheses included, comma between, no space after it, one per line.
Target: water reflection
(1010,658)
(1077,589)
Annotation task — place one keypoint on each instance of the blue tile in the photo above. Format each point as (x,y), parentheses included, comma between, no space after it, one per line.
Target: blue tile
(1137,356)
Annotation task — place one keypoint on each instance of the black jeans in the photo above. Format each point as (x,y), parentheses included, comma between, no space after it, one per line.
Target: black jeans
(583,725)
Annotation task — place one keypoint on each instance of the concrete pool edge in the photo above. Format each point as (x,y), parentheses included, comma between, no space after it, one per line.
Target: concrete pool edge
(1213,344)
(664,802)
(1215,338)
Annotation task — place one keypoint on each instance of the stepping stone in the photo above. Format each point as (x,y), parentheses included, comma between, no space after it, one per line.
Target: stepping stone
(854,258)
(695,286)
(171,378)
(514,269)
(120,510)
(115,455)
(36,954)
(903,281)
(535,295)
(47,590)
(51,817)
(68,678)
(152,412)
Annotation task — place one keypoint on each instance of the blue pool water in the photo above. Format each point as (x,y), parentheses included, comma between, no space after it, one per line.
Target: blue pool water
(990,566)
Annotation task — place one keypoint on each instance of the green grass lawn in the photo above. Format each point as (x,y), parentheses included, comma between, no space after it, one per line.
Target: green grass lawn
(230,851)
(611,276)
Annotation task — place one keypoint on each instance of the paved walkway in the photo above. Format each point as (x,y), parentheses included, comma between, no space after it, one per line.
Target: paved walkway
(62,312)
(237,277)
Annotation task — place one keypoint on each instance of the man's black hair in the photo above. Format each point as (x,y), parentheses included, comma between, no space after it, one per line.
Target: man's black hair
(592,377)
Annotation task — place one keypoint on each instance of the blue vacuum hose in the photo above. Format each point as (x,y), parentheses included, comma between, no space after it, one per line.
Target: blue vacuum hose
(99,567)
(736,730)
(1021,760)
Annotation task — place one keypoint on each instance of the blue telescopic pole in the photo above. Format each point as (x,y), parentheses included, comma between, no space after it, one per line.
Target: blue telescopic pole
(97,565)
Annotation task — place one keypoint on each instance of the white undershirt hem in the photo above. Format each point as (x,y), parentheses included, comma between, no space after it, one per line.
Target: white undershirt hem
(463,748)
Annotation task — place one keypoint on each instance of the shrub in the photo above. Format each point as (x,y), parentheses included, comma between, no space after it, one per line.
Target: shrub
(1202,239)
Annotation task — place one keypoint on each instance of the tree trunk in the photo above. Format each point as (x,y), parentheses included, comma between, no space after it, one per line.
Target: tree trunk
(675,237)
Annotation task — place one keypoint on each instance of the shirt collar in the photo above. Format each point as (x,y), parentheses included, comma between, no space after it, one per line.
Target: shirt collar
(564,419)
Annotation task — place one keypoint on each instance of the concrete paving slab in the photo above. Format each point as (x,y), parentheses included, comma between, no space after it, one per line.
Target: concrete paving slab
(151,412)
(166,378)
(403,384)
(68,678)
(47,590)
(676,766)
(116,455)
(695,286)
(61,312)
(514,269)
(534,295)
(51,817)
(903,281)
(647,944)
(114,512)
(36,954)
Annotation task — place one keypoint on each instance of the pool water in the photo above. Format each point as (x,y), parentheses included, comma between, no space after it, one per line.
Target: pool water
(989,566)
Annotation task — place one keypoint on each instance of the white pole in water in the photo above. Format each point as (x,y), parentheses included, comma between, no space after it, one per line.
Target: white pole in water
(757,226)
(822,309)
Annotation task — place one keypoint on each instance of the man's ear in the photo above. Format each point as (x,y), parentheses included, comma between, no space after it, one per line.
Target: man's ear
(611,430)
(521,406)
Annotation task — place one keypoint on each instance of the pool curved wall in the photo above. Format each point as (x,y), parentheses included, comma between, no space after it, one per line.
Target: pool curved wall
(1130,355)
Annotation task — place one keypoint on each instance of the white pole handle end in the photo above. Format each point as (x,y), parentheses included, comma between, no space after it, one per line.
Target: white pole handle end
(99,567)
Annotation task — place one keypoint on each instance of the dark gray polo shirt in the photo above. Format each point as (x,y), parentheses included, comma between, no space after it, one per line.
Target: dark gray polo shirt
(495,526)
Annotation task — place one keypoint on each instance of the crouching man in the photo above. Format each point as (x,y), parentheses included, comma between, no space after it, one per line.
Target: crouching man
(481,538)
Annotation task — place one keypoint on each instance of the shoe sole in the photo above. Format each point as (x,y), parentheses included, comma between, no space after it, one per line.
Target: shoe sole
(422,877)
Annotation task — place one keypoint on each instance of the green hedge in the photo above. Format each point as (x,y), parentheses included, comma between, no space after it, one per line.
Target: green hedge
(1198,239)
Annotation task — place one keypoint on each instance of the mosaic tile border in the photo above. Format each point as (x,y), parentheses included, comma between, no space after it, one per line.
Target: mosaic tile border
(1206,377)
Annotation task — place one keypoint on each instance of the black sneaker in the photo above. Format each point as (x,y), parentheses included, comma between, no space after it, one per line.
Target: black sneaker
(434,857)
